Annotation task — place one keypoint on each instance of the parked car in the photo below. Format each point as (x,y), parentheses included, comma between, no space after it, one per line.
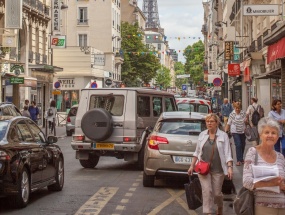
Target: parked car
(194,105)
(171,145)
(29,160)
(112,122)
(70,120)
(9,109)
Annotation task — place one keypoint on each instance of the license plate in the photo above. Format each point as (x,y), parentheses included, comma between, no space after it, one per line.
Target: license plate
(104,145)
(182,160)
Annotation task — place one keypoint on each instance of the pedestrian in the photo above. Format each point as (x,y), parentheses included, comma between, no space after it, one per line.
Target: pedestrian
(26,112)
(226,109)
(34,111)
(236,125)
(278,114)
(216,142)
(249,114)
(27,102)
(50,115)
(265,201)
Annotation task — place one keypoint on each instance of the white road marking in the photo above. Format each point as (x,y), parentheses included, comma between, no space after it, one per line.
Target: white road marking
(129,194)
(120,207)
(135,184)
(98,201)
(124,201)
(132,189)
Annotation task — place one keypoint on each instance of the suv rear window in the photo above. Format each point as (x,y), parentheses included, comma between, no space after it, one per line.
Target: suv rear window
(114,104)
(73,111)
(182,127)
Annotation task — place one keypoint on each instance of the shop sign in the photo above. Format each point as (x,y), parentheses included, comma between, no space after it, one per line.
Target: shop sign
(261,10)
(246,76)
(217,82)
(66,83)
(16,80)
(183,76)
(56,92)
(58,42)
(229,50)
(99,59)
(56,15)
(13,14)
(233,69)
(17,69)
(276,51)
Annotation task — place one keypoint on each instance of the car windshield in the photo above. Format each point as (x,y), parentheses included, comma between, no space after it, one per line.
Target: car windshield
(114,104)
(200,108)
(181,127)
(3,129)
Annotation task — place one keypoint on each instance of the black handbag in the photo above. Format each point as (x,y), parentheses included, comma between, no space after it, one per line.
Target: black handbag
(228,187)
(193,191)
(244,201)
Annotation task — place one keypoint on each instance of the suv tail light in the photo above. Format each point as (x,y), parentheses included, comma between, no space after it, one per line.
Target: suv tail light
(78,138)
(4,156)
(68,119)
(154,141)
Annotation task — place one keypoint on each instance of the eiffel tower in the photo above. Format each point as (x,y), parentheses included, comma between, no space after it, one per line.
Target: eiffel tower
(150,10)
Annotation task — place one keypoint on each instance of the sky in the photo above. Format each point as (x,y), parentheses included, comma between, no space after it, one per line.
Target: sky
(180,18)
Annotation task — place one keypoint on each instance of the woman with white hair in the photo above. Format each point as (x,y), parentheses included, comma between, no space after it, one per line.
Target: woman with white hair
(266,202)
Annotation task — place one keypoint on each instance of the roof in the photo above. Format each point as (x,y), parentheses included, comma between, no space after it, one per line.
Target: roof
(182,115)
(138,89)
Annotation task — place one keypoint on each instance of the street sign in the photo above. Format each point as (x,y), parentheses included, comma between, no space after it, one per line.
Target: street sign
(184,87)
(58,41)
(94,84)
(183,76)
(56,92)
(217,82)
(108,82)
(17,69)
(16,80)
(56,85)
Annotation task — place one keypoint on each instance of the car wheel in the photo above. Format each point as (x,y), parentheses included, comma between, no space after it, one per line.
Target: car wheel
(59,177)
(68,133)
(148,180)
(23,185)
(91,162)
(97,124)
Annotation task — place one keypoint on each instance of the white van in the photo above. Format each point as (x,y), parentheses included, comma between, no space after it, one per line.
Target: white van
(191,93)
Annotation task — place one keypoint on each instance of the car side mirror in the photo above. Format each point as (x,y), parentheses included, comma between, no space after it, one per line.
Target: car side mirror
(52,139)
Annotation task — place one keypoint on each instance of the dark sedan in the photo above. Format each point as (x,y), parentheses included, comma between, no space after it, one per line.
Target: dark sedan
(28,160)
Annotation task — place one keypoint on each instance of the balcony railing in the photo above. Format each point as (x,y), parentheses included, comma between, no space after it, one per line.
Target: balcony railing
(259,43)
(241,56)
(265,33)
(273,26)
(82,22)
(31,56)
(37,5)
(38,58)
(44,59)
(40,6)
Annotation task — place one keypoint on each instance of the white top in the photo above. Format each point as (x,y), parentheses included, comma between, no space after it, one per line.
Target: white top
(50,118)
(223,145)
(275,115)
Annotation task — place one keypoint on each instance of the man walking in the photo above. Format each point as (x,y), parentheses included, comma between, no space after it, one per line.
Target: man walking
(226,109)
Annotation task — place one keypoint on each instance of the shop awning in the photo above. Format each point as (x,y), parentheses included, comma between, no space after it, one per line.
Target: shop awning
(45,68)
(276,51)
(29,81)
(274,75)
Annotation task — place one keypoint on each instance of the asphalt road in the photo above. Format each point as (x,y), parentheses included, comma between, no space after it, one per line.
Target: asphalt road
(113,187)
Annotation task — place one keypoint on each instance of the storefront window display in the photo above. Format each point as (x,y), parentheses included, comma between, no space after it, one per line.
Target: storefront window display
(66,100)
(276,88)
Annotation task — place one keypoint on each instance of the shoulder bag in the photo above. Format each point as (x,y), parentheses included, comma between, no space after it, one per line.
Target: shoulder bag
(193,191)
(244,201)
(203,167)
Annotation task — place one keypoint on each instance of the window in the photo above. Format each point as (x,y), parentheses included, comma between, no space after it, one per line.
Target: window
(185,107)
(38,134)
(112,104)
(82,40)
(157,106)
(169,105)
(158,46)
(24,132)
(5,111)
(3,128)
(83,19)
(143,106)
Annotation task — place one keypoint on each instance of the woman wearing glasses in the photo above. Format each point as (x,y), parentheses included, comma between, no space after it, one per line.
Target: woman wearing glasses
(214,147)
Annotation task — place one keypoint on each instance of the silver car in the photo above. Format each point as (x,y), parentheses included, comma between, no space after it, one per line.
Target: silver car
(171,144)
(70,120)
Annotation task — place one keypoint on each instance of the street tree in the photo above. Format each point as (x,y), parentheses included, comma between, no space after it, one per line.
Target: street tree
(179,70)
(140,64)
(194,56)
(163,77)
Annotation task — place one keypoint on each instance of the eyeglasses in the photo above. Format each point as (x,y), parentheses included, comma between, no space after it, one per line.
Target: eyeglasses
(210,121)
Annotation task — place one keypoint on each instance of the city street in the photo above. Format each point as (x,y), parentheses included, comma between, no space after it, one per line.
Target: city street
(113,187)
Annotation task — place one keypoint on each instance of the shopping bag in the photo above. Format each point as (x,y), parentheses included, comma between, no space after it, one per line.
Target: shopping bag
(193,191)
(251,133)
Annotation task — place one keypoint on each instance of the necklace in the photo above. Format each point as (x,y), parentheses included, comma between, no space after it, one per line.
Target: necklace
(211,141)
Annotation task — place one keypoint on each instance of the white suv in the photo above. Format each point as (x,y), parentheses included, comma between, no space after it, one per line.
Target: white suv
(114,121)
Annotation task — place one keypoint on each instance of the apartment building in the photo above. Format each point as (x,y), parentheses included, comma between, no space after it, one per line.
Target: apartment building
(243,38)
(92,53)
(25,47)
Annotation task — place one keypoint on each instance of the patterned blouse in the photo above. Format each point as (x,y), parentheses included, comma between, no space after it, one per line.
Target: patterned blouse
(264,198)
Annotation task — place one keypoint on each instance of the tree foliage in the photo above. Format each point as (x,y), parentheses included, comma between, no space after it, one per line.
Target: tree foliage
(163,77)
(194,61)
(139,66)
(179,70)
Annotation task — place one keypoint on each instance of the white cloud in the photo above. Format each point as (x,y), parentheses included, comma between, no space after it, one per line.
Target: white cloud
(180,18)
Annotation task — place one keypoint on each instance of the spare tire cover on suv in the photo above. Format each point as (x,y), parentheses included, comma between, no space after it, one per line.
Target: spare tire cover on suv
(97,124)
